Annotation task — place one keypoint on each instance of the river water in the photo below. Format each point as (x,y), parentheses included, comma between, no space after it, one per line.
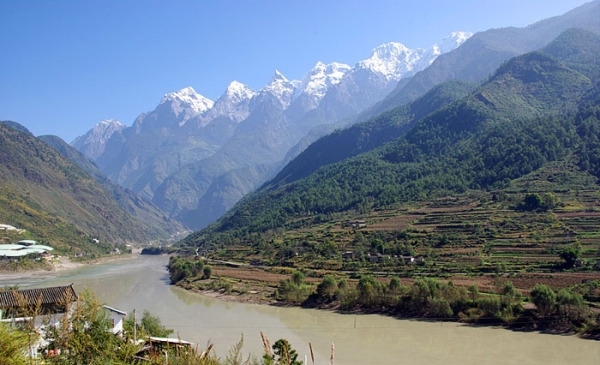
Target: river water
(142,284)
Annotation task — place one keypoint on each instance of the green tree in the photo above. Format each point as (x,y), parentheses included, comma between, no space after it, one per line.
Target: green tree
(394,284)
(298,278)
(207,272)
(13,346)
(85,336)
(571,254)
(153,327)
(368,290)
(327,287)
(532,201)
(544,298)
(283,354)
(571,305)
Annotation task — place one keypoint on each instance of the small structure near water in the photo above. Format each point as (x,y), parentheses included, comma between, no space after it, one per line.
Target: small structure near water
(23,248)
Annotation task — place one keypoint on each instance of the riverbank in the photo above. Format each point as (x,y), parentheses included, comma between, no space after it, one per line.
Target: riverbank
(503,301)
(59,264)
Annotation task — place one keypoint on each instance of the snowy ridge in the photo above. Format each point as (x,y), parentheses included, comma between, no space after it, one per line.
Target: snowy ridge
(394,60)
(233,103)
(92,143)
(186,103)
(279,88)
(101,131)
(453,41)
(390,61)
(318,80)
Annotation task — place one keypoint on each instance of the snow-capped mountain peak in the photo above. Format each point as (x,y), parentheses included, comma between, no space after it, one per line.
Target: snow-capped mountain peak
(233,103)
(186,103)
(104,130)
(454,40)
(317,81)
(280,88)
(237,91)
(92,143)
(277,76)
(393,60)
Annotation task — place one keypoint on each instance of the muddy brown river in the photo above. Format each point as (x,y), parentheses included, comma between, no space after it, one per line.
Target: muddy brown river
(142,284)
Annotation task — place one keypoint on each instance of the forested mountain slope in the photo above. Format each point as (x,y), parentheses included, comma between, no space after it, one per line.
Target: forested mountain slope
(536,108)
(365,136)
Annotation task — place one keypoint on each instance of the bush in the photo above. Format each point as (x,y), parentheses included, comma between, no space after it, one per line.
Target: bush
(13,346)
(544,299)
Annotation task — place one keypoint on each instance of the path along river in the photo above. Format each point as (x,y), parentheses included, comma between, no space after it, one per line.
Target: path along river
(142,284)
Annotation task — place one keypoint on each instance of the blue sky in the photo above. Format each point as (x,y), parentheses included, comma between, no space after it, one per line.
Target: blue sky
(65,65)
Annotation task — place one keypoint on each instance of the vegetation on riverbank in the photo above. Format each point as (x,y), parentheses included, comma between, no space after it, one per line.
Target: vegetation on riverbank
(490,299)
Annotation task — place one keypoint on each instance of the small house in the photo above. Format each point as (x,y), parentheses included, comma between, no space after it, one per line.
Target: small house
(348,255)
(116,318)
(42,301)
(356,224)
(40,307)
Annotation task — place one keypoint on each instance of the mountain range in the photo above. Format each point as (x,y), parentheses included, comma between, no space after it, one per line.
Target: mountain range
(474,112)
(535,109)
(207,155)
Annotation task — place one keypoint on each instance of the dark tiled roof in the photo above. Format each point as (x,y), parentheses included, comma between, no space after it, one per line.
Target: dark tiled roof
(57,295)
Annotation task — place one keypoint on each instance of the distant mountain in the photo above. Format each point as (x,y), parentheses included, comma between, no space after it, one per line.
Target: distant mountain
(372,79)
(129,201)
(58,203)
(190,146)
(536,108)
(93,143)
(482,53)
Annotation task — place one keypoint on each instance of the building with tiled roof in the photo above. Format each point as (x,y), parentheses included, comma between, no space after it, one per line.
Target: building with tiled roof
(41,301)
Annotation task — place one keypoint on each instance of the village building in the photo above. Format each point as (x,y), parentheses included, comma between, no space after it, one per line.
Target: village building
(37,307)
(24,248)
(348,255)
(116,317)
(356,223)
(46,307)
(42,301)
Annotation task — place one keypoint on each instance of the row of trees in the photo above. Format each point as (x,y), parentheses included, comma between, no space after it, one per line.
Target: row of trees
(431,298)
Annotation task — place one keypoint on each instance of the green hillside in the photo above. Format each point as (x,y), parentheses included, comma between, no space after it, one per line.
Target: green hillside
(536,109)
(58,203)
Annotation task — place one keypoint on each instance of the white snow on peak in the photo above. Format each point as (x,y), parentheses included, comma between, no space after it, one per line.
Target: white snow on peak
(108,123)
(236,91)
(318,80)
(92,143)
(233,103)
(280,88)
(187,103)
(101,132)
(277,76)
(451,42)
(392,60)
